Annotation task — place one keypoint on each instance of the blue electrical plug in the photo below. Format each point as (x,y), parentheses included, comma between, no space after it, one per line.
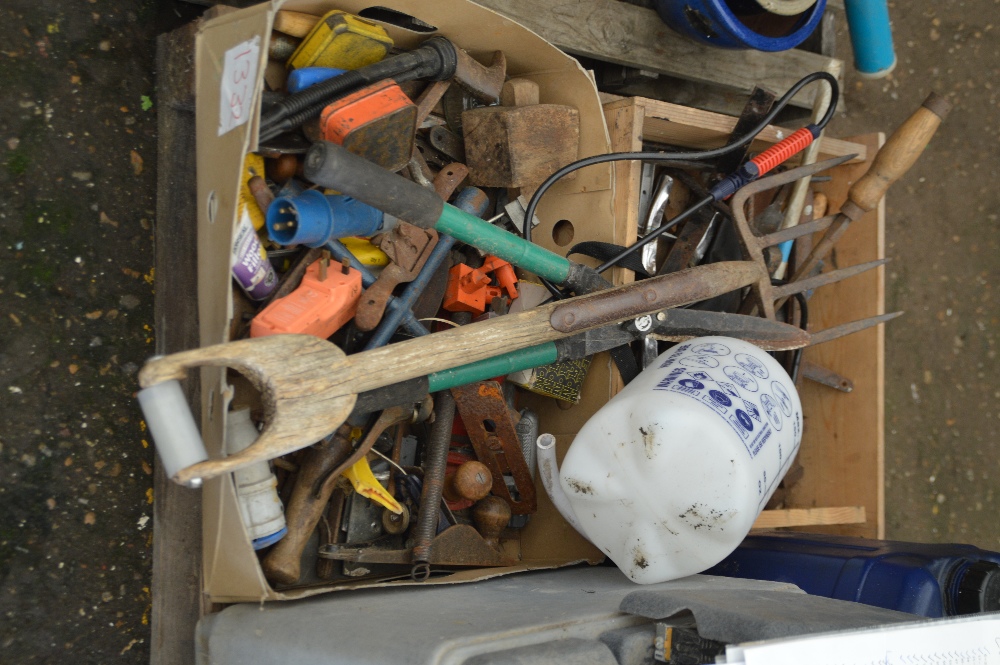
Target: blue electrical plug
(313,218)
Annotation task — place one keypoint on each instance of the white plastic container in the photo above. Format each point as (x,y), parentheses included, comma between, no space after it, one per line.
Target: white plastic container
(669,476)
(256,486)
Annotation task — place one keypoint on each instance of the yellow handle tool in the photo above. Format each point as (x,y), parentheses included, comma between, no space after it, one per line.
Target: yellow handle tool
(367,485)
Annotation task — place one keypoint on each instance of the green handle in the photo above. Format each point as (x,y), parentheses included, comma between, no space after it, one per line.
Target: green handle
(515,361)
(473,231)
(332,166)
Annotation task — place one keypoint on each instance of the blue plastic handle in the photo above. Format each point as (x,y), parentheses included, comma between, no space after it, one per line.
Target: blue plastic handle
(300,79)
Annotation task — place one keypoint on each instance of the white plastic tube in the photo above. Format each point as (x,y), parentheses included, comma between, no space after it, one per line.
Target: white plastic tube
(548,470)
(256,486)
(172,426)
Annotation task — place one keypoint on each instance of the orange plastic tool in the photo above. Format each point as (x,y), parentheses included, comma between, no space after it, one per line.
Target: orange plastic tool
(470,289)
(377,122)
(326,299)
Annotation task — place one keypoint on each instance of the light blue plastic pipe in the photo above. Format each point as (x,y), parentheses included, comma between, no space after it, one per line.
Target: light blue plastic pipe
(871,37)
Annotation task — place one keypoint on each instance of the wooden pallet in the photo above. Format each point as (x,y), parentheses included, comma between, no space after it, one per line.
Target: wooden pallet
(625,34)
(842,490)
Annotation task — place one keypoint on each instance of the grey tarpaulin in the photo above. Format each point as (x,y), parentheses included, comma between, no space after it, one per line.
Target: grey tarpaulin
(743,615)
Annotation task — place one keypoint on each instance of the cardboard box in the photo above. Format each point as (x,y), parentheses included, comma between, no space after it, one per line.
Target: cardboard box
(231,59)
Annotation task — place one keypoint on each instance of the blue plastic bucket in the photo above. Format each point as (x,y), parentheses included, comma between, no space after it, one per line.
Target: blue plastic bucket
(739,24)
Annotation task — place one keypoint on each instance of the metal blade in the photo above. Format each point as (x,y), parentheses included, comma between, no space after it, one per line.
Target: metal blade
(825,278)
(682,324)
(793,232)
(824,376)
(845,329)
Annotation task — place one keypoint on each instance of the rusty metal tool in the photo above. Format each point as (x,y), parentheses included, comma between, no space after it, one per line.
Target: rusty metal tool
(763,294)
(472,200)
(406,317)
(458,545)
(449,178)
(755,109)
(429,98)
(827,377)
(330,532)
(308,386)
(678,325)
(408,248)
(435,461)
(891,162)
(824,278)
(494,438)
(447,143)
(845,329)
(318,477)
(283,563)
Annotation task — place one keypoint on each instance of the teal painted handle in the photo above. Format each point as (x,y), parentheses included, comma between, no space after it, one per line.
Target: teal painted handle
(515,361)
(493,240)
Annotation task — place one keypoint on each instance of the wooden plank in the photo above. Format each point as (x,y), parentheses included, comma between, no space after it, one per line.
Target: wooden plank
(843,442)
(787,517)
(636,37)
(693,128)
(625,123)
(176,581)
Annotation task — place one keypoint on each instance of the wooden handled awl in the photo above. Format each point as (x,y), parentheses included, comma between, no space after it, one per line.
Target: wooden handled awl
(309,386)
(893,160)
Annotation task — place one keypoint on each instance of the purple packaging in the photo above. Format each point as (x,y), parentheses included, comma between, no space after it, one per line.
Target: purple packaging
(251,269)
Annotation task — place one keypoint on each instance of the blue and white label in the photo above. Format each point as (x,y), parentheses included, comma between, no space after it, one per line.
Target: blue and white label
(752,365)
(720,398)
(712,348)
(739,389)
(772,410)
(700,361)
(742,378)
(784,400)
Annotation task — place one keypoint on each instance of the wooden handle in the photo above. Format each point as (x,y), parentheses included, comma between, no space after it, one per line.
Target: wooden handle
(471,481)
(308,386)
(491,516)
(295,24)
(283,564)
(898,154)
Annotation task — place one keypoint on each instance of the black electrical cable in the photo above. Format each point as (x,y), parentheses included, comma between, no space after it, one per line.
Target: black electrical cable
(800,298)
(803,323)
(668,156)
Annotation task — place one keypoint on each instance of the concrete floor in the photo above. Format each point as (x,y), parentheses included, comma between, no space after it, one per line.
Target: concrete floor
(78,173)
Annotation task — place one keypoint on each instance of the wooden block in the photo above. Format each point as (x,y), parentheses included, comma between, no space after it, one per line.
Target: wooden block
(519,92)
(687,127)
(773,519)
(295,24)
(519,147)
